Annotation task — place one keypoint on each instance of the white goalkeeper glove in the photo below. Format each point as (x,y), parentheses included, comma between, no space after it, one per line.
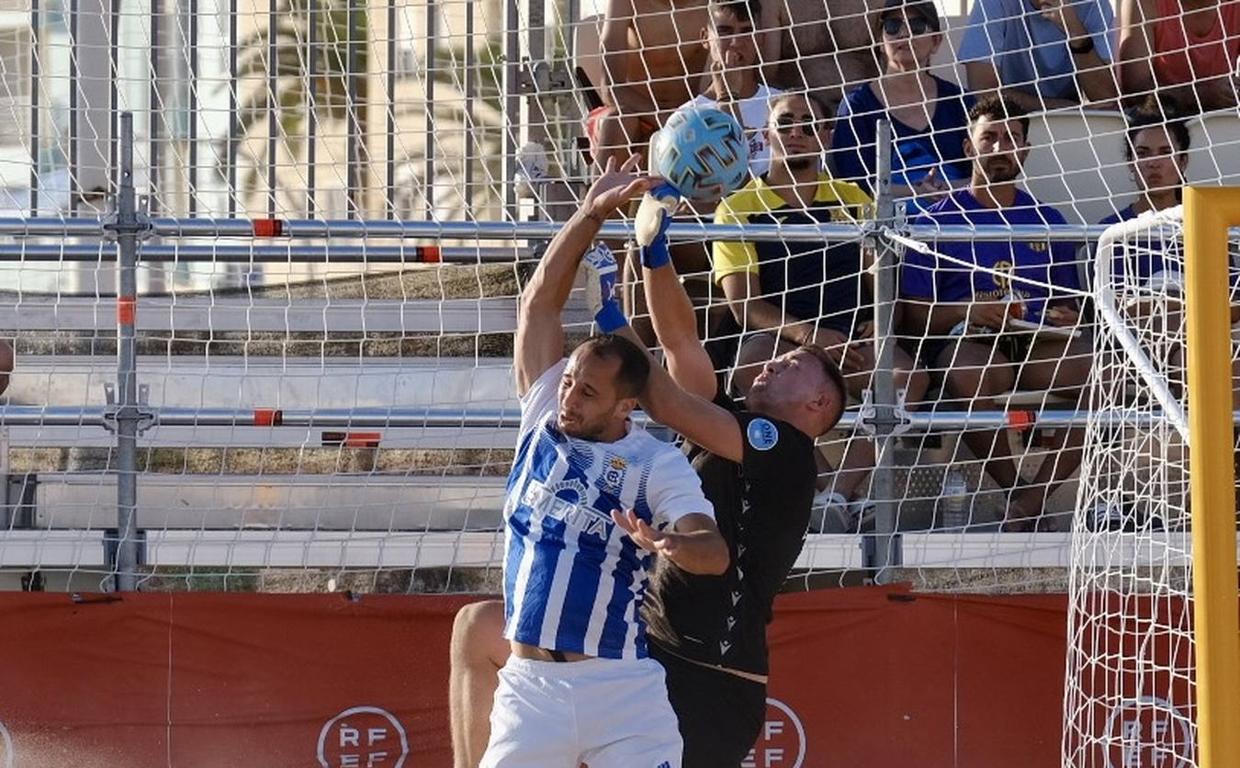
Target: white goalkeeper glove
(601,272)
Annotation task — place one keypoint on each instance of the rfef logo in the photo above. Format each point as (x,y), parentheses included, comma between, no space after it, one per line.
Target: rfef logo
(781,744)
(1149,732)
(363,737)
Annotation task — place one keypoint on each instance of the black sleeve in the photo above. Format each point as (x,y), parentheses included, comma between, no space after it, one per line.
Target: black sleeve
(771,446)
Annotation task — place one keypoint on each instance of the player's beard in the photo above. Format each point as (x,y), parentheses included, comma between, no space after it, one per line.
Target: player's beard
(584,430)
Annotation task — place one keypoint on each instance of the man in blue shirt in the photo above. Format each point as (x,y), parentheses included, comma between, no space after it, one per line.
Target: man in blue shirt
(1043,53)
(998,315)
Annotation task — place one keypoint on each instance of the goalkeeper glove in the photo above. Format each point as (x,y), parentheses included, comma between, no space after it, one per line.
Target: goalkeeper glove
(601,273)
(650,226)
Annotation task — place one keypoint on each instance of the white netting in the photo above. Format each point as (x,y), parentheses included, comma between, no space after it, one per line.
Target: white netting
(1130,675)
(389,359)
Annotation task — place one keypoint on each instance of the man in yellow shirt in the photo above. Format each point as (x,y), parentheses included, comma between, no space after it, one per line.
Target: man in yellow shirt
(786,294)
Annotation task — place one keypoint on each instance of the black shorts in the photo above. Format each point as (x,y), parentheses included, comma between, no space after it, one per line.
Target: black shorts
(720,714)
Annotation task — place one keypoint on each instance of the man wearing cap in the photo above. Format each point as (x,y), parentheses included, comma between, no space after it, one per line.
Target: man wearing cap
(1042,53)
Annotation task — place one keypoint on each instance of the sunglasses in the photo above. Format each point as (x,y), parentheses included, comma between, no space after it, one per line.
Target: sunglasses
(916,25)
(805,123)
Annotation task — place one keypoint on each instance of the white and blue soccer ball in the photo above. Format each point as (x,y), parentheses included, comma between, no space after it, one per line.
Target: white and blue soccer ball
(702,152)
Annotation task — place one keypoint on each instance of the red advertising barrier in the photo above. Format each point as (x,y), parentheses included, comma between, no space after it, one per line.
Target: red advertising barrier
(861,677)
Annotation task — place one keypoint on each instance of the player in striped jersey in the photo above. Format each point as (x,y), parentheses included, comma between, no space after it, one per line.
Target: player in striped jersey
(591,498)
(758,469)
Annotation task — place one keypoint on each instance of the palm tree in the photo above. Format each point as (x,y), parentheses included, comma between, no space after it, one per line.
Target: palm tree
(307,69)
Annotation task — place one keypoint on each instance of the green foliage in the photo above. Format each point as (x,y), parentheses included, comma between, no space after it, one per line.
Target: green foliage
(308,79)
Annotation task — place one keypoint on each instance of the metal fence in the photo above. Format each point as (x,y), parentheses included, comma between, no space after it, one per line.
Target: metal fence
(128,236)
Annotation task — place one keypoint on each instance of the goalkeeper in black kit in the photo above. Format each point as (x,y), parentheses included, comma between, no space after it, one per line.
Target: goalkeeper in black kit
(757,468)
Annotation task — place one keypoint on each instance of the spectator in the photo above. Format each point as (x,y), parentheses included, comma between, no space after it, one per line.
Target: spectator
(1157,147)
(824,47)
(1042,53)
(734,86)
(1186,47)
(1007,315)
(928,115)
(1147,279)
(788,294)
(734,77)
(652,59)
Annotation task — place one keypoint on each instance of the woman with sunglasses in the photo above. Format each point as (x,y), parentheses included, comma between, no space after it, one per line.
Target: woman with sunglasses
(928,115)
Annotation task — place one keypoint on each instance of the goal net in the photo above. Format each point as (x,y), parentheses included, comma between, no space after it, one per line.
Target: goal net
(1131,697)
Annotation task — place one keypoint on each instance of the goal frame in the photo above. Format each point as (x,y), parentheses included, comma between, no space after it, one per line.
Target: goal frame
(1208,214)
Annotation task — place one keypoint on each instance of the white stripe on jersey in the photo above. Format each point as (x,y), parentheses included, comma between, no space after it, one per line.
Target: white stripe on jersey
(634,621)
(558,593)
(598,616)
(523,571)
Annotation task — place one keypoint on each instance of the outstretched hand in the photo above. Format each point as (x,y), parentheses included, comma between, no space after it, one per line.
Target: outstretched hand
(616,187)
(665,543)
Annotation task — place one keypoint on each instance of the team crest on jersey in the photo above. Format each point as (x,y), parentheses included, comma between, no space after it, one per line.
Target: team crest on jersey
(611,479)
(1003,274)
(762,434)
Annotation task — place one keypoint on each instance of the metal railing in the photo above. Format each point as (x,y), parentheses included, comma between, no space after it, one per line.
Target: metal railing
(123,238)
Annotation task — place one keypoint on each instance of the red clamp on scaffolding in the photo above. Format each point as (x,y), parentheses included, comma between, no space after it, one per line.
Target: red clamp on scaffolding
(268,227)
(429,254)
(268,417)
(353,439)
(126,310)
(1021,421)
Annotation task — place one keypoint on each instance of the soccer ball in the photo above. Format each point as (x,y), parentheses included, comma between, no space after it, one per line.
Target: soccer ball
(701,152)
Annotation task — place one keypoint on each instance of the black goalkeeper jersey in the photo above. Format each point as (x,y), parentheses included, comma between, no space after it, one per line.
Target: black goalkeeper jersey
(762,508)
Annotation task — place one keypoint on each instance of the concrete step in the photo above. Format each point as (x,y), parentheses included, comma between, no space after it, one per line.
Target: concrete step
(271,382)
(382,503)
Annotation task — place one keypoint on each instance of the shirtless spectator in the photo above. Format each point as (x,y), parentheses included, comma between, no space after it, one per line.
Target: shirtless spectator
(653,61)
(1185,49)
(735,86)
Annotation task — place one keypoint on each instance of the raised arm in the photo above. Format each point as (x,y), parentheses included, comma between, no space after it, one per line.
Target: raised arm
(671,313)
(697,418)
(540,332)
(1136,62)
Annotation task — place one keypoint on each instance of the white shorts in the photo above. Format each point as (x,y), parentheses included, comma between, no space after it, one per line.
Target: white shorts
(606,713)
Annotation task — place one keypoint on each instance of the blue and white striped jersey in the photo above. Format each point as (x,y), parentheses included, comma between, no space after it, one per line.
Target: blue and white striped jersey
(573,579)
